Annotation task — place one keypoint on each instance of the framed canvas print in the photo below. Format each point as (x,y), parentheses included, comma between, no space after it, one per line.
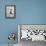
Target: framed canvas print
(10,11)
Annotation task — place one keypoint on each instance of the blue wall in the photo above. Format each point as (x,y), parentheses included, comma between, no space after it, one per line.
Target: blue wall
(6,25)
(27,12)
(31,11)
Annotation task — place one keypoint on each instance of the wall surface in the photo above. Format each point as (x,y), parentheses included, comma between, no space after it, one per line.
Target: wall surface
(31,11)
(27,12)
(6,25)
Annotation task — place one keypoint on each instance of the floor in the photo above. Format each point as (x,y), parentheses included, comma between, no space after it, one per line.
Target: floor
(7,45)
(30,43)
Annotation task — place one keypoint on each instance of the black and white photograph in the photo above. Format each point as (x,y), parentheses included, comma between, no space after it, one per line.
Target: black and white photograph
(10,11)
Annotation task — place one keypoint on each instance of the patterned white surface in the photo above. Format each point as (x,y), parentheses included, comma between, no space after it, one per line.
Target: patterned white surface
(33,27)
(34,32)
(24,33)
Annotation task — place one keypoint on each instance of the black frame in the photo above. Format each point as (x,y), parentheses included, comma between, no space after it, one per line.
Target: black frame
(14,11)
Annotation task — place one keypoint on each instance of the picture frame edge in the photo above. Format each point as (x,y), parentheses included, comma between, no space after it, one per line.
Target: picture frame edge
(14,11)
